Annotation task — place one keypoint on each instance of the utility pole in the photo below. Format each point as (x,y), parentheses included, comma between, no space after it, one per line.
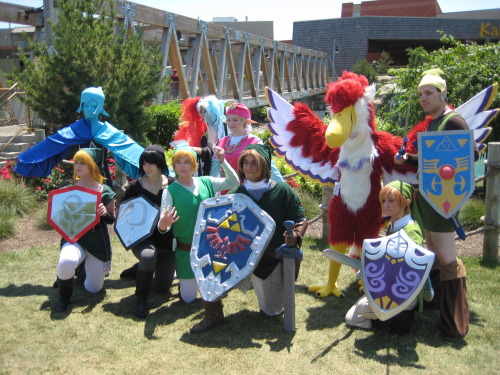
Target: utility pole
(334,52)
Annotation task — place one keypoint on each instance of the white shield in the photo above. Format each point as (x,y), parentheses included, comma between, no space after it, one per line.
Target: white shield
(137,219)
(73,211)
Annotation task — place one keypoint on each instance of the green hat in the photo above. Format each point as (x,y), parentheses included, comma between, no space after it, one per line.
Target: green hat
(433,77)
(94,153)
(264,150)
(183,145)
(406,189)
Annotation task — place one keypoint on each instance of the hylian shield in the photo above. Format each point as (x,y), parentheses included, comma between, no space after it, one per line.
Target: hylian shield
(394,271)
(73,211)
(446,173)
(230,236)
(137,219)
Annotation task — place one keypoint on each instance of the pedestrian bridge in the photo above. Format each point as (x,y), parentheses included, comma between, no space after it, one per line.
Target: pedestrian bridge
(211,58)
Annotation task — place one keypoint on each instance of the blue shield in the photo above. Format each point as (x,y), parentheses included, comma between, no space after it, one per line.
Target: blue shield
(394,271)
(446,172)
(230,237)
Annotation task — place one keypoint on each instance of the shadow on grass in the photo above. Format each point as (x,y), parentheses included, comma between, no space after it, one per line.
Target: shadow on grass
(337,308)
(242,330)
(79,298)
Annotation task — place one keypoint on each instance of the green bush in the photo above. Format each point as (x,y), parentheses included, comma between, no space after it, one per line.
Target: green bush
(310,203)
(16,197)
(7,221)
(383,63)
(470,214)
(41,218)
(468,68)
(259,114)
(164,120)
(364,68)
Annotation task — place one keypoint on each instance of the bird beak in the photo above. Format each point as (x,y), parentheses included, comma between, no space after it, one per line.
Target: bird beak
(340,127)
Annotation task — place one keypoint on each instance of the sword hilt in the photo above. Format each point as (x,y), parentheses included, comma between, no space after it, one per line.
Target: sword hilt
(285,251)
(402,150)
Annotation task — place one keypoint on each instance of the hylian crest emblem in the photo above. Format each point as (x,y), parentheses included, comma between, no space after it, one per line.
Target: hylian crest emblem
(73,211)
(394,270)
(446,173)
(230,237)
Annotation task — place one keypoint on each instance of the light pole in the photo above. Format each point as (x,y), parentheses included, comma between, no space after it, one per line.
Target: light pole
(334,52)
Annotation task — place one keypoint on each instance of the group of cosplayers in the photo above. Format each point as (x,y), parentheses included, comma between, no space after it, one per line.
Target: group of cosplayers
(235,164)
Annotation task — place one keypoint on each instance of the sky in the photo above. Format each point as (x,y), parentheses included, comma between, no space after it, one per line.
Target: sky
(283,13)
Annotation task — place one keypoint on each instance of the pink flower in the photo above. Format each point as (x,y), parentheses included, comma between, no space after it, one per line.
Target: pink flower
(62,171)
(47,180)
(38,188)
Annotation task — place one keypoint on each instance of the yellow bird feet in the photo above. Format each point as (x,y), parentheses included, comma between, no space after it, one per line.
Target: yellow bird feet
(325,290)
(361,286)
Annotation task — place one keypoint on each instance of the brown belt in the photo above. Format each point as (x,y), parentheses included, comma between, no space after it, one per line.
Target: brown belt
(183,246)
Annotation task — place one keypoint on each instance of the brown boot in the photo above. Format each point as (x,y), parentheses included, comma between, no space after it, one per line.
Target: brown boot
(214,317)
(454,308)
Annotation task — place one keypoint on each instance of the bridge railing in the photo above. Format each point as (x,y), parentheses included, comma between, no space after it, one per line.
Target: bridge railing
(228,63)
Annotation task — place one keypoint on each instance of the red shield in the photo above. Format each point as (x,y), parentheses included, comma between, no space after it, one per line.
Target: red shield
(73,211)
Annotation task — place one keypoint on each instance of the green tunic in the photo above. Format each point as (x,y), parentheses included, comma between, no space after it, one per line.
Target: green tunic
(187,204)
(413,231)
(96,241)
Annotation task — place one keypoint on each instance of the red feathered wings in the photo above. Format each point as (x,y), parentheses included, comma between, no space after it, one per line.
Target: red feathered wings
(299,136)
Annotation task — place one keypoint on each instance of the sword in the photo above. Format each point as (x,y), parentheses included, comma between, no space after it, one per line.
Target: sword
(402,150)
(458,227)
(289,254)
(342,258)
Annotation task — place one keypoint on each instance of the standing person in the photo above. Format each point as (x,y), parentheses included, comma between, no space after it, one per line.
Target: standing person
(201,126)
(182,198)
(439,232)
(174,84)
(281,203)
(395,200)
(94,247)
(239,124)
(155,253)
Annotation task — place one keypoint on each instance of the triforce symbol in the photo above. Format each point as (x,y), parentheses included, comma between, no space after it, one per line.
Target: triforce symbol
(446,145)
(231,223)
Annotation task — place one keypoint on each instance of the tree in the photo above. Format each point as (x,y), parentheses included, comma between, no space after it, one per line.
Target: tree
(468,68)
(383,63)
(91,50)
(364,68)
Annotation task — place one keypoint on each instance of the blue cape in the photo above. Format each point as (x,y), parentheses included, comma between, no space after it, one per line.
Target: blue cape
(39,160)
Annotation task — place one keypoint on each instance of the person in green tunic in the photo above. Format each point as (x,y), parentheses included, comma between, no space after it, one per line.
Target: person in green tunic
(396,199)
(439,232)
(281,203)
(179,208)
(94,248)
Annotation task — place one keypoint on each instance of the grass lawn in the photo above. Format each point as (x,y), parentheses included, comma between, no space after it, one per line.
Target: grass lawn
(101,336)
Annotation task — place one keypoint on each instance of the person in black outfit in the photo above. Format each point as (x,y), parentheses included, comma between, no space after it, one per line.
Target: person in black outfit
(155,254)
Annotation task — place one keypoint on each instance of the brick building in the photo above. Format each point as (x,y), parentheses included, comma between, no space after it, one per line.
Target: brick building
(367,29)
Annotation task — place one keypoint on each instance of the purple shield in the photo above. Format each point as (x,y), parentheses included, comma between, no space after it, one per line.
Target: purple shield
(230,237)
(394,271)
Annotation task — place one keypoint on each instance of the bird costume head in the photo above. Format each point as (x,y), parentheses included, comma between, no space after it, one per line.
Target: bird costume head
(349,99)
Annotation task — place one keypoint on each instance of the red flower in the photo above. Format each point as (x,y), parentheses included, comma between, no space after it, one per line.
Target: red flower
(38,188)
(62,171)
(47,180)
